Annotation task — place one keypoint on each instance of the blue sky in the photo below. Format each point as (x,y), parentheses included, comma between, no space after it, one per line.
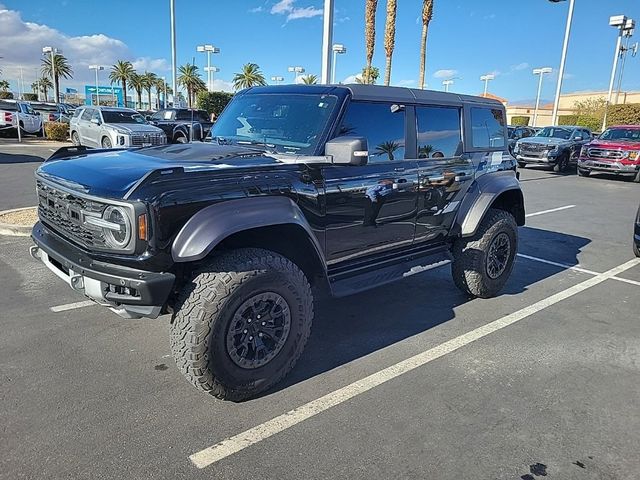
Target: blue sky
(467,39)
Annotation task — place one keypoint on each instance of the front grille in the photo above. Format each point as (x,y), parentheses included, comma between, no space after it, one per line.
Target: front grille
(65,213)
(138,140)
(534,149)
(605,154)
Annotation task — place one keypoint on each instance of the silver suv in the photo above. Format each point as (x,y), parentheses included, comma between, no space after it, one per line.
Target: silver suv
(109,127)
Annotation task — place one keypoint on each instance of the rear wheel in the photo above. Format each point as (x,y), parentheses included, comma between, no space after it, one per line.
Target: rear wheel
(583,172)
(106,142)
(75,139)
(241,323)
(482,264)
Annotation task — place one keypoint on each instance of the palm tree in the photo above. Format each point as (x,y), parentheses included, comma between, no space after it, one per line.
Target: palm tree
(190,79)
(370,32)
(424,151)
(137,83)
(35,86)
(61,67)
(149,80)
(387,148)
(45,84)
(368,76)
(250,76)
(161,87)
(427,15)
(390,37)
(4,85)
(310,79)
(121,73)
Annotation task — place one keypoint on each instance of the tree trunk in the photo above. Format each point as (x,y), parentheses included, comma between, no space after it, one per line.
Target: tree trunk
(370,34)
(124,92)
(57,89)
(423,55)
(390,38)
(139,92)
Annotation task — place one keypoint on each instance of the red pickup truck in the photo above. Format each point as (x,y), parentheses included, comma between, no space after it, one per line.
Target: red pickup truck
(616,151)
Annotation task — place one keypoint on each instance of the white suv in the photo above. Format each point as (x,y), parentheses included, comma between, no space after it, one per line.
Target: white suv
(15,112)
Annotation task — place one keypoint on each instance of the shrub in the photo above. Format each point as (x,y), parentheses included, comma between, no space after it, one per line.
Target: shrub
(587,121)
(30,97)
(213,101)
(56,131)
(6,95)
(520,120)
(628,114)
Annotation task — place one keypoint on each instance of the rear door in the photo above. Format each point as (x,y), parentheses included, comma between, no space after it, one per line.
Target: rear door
(444,172)
(84,128)
(371,208)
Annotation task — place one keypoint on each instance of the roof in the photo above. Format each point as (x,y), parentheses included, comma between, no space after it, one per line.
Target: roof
(376,92)
(109,109)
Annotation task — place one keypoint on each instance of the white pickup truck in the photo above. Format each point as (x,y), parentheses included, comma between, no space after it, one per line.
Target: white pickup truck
(14,112)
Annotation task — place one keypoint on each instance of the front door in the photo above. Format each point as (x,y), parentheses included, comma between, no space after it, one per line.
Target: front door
(371,208)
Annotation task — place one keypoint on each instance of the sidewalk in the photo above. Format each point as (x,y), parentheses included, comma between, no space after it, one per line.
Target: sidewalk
(32,142)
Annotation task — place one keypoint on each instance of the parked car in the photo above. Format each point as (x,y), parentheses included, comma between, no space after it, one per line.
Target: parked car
(52,112)
(178,122)
(556,147)
(636,235)
(616,151)
(16,112)
(518,132)
(109,127)
(350,187)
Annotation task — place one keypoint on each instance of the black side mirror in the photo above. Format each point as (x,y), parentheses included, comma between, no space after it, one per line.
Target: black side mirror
(348,150)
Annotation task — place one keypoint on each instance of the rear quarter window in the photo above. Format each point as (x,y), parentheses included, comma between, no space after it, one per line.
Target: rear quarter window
(487,128)
(8,106)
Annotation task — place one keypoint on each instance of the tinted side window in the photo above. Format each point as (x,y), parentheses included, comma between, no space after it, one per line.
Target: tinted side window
(586,135)
(186,115)
(86,115)
(96,115)
(383,129)
(439,133)
(487,127)
(160,115)
(77,112)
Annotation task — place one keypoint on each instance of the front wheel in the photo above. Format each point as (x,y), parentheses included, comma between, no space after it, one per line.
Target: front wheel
(241,323)
(561,164)
(482,264)
(75,139)
(583,172)
(106,142)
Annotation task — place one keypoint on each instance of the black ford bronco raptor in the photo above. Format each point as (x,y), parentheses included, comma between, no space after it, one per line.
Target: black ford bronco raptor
(348,187)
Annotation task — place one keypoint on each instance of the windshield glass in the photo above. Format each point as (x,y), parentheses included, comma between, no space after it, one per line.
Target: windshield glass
(622,134)
(290,123)
(511,130)
(44,108)
(122,116)
(555,132)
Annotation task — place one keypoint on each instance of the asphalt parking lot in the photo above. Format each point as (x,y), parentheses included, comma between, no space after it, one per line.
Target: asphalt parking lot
(411,380)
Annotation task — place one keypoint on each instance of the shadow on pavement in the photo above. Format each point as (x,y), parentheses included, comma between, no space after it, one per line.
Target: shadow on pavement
(12,158)
(349,328)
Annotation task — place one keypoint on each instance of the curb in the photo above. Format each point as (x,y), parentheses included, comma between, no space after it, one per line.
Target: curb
(12,229)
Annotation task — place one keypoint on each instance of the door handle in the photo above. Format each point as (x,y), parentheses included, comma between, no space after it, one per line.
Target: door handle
(463,177)
(398,169)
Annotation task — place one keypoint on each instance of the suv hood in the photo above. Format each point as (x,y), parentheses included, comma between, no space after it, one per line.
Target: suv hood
(129,128)
(544,140)
(114,173)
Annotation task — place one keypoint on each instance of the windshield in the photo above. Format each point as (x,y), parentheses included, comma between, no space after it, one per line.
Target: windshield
(622,134)
(44,108)
(122,116)
(290,123)
(555,132)
(511,130)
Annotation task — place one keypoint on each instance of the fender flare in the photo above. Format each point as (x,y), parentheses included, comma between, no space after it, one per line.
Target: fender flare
(211,225)
(481,195)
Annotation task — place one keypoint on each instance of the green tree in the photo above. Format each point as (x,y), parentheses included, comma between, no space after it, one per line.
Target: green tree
(390,37)
(369,35)
(35,87)
(161,87)
(121,73)
(4,85)
(213,102)
(368,76)
(310,79)
(427,15)
(45,84)
(189,78)
(387,148)
(60,68)
(424,151)
(250,76)
(149,81)
(137,83)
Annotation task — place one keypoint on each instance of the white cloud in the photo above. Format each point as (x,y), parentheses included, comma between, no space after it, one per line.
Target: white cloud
(288,8)
(256,9)
(219,84)
(22,44)
(520,66)
(151,64)
(445,73)
(491,16)
(352,78)
(405,83)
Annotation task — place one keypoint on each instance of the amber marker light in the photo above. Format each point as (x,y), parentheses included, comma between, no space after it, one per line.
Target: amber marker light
(142,227)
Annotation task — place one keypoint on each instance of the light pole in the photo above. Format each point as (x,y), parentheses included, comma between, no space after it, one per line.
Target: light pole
(209,49)
(628,31)
(486,78)
(296,71)
(52,51)
(446,84)
(338,49)
(164,100)
(619,22)
(211,71)
(97,68)
(541,72)
(277,80)
(174,80)
(327,39)
(563,59)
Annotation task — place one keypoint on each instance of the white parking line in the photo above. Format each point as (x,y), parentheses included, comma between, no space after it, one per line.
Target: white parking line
(535,214)
(278,424)
(71,306)
(558,264)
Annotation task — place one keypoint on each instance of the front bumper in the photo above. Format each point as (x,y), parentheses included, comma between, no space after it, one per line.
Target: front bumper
(546,160)
(126,291)
(614,167)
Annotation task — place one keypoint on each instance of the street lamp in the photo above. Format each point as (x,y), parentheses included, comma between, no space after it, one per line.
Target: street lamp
(52,51)
(338,49)
(277,80)
(208,49)
(174,76)
(541,72)
(211,71)
(486,78)
(164,100)
(296,71)
(97,68)
(327,40)
(446,84)
(619,22)
(628,31)
(563,59)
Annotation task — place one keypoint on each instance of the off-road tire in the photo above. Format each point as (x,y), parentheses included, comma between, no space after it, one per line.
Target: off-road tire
(469,266)
(182,139)
(106,142)
(206,306)
(583,172)
(562,164)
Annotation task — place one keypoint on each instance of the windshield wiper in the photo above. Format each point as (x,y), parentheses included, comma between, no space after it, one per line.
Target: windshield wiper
(268,147)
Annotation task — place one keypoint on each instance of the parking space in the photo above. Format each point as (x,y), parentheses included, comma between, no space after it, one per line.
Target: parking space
(411,380)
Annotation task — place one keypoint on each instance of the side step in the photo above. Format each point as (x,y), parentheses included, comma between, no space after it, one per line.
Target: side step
(348,283)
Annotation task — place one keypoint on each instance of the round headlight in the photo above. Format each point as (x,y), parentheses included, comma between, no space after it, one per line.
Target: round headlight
(118,233)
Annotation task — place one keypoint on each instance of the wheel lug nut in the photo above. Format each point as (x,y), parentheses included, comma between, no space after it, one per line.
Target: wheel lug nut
(260,335)
(249,321)
(264,323)
(258,316)
(245,331)
(250,337)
